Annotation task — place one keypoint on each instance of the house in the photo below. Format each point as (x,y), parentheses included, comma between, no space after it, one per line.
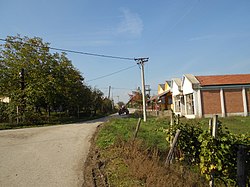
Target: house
(164,97)
(135,99)
(204,96)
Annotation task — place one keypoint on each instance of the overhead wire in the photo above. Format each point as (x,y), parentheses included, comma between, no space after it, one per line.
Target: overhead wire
(116,88)
(76,52)
(111,73)
(85,53)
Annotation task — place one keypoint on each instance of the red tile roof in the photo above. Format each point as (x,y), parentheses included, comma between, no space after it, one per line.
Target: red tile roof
(223,79)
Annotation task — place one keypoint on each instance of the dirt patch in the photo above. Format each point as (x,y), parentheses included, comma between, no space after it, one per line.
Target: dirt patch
(92,172)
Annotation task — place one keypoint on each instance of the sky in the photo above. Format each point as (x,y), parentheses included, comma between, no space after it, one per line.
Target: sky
(200,37)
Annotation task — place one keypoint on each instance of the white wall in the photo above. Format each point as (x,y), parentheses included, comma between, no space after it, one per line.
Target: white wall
(175,89)
(187,86)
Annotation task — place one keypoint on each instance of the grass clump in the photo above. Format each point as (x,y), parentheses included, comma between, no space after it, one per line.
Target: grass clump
(132,165)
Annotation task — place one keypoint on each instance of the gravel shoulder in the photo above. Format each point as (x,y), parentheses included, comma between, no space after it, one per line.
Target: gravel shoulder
(46,156)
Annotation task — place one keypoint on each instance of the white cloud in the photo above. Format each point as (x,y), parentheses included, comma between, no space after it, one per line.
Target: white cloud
(204,37)
(131,23)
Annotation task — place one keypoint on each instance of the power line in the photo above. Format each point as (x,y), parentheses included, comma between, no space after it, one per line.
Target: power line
(86,53)
(73,51)
(116,88)
(111,73)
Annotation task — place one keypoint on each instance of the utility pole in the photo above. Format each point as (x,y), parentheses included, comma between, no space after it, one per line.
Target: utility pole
(109,92)
(141,61)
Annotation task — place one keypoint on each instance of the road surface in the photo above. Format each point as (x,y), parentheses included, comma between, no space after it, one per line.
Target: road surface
(45,156)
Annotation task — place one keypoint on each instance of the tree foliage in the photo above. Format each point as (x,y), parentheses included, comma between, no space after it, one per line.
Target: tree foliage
(51,82)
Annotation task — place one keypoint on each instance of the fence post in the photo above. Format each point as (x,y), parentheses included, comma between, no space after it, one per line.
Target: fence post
(214,134)
(137,128)
(171,128)
(241,165)
(210,125)
(170,153)
(178,119)
(215,126)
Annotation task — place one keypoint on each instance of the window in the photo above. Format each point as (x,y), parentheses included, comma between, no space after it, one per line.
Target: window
(190,103)
(177,103)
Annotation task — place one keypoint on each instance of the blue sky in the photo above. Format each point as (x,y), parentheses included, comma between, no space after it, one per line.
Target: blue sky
(201,37)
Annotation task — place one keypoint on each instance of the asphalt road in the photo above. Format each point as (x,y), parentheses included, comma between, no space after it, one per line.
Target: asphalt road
(45,156)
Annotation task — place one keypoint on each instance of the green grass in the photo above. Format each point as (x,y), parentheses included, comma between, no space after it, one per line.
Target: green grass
(235,124)
(151,132)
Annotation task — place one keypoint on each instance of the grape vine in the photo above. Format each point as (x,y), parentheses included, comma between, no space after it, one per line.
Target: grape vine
(215,157)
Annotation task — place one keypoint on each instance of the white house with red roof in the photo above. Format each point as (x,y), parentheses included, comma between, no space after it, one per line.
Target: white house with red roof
(204,96)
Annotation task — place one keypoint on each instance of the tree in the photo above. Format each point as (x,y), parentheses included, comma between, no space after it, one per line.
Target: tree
(36,81)
(107,106)
(32,56)
(48,81)
(96,99)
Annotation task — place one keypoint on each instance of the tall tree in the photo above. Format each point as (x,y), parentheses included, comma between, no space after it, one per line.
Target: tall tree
(36,80)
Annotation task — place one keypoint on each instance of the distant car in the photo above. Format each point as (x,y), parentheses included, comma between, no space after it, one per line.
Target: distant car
(123,110)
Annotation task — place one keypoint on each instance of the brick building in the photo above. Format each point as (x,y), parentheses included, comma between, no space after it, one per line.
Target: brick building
(204,96)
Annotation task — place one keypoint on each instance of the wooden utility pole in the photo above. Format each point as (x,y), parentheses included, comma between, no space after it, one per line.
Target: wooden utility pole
(109,92)
(141,61)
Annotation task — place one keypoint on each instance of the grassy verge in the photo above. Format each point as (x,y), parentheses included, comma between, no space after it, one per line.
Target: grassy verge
(117,160)
(120,161)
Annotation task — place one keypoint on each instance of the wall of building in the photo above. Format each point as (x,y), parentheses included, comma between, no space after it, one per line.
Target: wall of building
(211,101)
(175,89)
(233,101)
(160,89)
(167,86)
(187,87)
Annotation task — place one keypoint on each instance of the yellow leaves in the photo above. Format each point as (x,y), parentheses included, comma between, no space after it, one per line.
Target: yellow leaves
(181,158)
(212,167)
